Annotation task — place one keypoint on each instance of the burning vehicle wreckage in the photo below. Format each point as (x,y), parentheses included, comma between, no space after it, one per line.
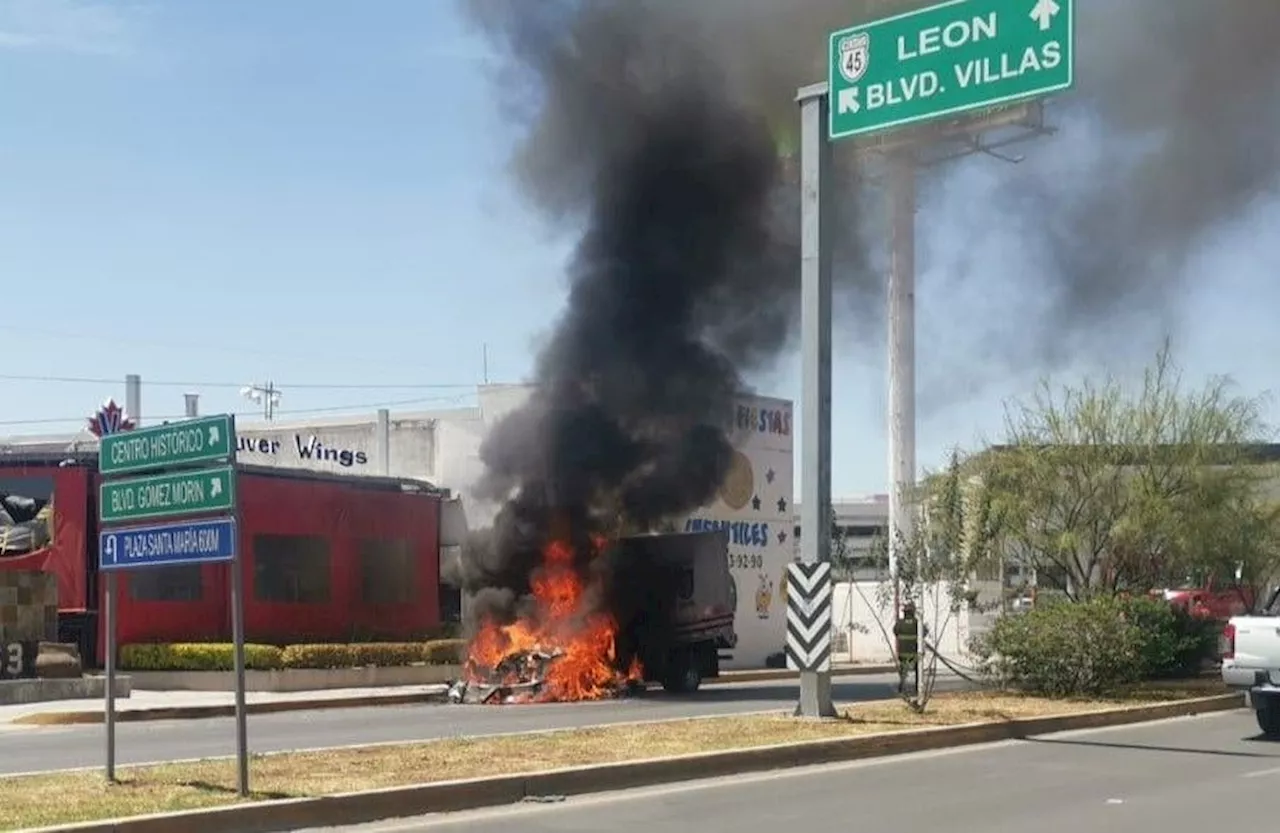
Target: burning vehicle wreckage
(647,608)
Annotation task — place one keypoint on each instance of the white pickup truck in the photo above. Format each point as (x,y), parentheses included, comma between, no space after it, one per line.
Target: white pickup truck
(1251,662)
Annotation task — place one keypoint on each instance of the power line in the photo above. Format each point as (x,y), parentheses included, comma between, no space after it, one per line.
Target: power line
(217,348)
(167,383)
(292,411)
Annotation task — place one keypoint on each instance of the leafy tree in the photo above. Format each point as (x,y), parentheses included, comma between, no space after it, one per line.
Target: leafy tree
(1101,489)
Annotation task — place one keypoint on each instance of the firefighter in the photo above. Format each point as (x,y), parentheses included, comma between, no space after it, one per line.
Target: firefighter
(907,638)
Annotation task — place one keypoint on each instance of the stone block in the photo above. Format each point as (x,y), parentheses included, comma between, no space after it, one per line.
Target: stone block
(58,661)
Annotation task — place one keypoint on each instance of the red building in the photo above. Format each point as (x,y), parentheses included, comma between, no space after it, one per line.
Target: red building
(326,558)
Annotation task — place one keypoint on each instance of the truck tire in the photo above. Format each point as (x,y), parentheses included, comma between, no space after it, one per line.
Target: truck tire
(683,676)
(1268,713)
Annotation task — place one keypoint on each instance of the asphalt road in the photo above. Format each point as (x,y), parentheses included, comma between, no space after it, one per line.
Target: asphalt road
(39,749)
(1182,776)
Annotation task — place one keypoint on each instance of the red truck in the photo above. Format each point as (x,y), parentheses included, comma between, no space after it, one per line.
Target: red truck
(327,557)
(1211,601)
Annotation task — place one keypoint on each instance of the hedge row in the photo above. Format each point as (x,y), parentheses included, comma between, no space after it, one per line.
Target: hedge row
(221,656)
(1094,647)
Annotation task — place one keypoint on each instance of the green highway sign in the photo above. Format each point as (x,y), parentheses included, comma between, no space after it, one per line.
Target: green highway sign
(947,59)
(167,495)
(193,441)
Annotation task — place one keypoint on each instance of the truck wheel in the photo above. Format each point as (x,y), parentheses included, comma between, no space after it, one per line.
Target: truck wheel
(1268,712)
(683,677)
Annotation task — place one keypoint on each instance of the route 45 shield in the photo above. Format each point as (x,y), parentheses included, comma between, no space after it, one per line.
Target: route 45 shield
(855,56)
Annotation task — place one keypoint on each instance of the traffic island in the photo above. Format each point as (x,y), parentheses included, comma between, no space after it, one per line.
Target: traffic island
(353,785)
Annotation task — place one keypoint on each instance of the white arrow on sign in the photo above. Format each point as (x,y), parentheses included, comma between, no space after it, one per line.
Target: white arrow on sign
(215,486)
(1044,12)
(213,434)
(847,101)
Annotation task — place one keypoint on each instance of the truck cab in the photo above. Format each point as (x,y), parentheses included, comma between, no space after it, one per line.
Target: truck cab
(675,600)
(1251,662)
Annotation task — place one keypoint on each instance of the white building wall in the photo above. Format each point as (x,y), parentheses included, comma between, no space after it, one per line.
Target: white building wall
(862,619)
(755,506)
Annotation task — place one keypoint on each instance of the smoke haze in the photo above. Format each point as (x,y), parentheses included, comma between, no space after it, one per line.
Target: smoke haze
(1167,139)
(654,128)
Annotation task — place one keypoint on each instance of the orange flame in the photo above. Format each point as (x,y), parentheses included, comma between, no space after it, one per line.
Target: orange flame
(585,667)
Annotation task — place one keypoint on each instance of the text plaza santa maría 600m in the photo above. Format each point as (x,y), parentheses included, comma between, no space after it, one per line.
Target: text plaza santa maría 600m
(184,542)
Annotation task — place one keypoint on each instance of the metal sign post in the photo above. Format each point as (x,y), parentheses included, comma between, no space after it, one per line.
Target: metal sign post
(109,714)
(814,663)
(125,545)
(237,638)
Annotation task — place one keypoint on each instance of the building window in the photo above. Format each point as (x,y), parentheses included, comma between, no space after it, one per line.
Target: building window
(388,573)
(180,583)
(291,569)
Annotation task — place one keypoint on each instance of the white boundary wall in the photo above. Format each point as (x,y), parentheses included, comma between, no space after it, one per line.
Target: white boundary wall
(860,640)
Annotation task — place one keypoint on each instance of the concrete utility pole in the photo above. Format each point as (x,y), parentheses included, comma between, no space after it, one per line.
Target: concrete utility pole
(902,357)
(815,335)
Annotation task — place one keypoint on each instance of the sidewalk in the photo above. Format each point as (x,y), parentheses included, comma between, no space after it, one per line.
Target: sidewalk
(190,705)
(187,705)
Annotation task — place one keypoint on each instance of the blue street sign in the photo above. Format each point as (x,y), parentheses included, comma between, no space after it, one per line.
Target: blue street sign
(192,542)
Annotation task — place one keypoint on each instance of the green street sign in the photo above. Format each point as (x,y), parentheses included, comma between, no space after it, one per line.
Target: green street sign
(168,495)
(193,441)
(947,59)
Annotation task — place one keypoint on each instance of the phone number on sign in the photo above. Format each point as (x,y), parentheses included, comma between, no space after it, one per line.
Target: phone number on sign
(745,561)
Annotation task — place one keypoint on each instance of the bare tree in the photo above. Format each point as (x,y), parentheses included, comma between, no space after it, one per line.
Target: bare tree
(955,539)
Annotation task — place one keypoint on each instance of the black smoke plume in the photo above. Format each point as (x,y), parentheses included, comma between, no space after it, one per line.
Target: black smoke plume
(685,277)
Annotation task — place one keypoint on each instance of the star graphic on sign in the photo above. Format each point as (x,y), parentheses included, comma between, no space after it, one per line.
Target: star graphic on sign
(782,537)
(755,503)
(782,504)
(769,475)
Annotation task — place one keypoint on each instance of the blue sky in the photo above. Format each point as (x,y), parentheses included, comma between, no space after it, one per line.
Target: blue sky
(313,192)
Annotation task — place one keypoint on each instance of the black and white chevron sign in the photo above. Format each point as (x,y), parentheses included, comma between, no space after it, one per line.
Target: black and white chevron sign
(809,617)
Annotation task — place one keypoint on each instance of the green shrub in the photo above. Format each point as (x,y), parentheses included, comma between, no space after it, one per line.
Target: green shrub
(198,656)
(1068,650)
(1087,648)
(444,651)
(1175,643)
(221,656)
(321,656)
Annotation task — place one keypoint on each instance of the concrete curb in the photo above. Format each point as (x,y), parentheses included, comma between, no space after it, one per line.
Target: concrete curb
(766,675)
(454,796)
(71,718)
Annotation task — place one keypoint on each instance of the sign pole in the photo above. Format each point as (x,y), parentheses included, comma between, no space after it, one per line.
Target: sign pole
(187,496)
(109,632)
(902,360)
(815,337)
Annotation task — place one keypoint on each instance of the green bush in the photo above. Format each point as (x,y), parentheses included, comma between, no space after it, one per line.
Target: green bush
(221,657)
(445,651)
(198,656)
(1068,650)
(1175,643)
